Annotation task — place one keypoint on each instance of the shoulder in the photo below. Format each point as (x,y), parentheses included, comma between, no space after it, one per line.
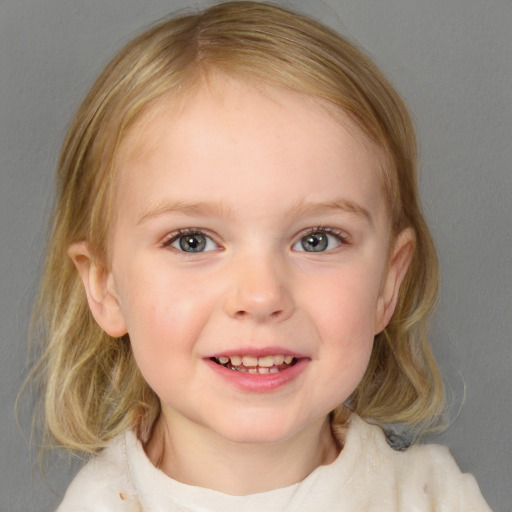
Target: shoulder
(434,469)
(103,484)
(426,474)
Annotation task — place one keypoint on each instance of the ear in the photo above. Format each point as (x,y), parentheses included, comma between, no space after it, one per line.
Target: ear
(100,290)
(399,262)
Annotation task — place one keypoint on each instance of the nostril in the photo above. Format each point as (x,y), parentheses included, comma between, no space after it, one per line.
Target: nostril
(242,314)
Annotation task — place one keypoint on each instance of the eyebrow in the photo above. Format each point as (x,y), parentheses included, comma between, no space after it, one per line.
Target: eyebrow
(213,209)
(191,209)
(301,208)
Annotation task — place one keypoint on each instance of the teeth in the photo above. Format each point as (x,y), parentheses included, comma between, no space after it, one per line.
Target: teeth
(266,362)
(278,360)
(236,360)
(249,361)
(256,365)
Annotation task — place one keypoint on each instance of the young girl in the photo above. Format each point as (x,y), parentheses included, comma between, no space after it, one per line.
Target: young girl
(239,277)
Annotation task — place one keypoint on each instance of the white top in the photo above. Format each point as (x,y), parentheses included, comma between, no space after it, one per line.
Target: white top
(367,476)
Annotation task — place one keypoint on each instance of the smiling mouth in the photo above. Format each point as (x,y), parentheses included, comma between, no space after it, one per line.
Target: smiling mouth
(256,365)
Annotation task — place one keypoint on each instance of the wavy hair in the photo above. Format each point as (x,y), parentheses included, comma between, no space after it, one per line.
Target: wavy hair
(93,389)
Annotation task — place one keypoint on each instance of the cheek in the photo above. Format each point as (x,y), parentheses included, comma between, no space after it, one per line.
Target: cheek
(348,303)
(345,319)
(348,339)
(164,316)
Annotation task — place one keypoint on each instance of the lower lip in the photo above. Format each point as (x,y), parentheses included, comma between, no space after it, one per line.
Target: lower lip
(259,383)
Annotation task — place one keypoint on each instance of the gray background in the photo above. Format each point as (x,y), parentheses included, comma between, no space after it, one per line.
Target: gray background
(451,61)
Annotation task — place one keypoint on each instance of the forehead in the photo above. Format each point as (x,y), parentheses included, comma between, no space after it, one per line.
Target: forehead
(220,90)
(231,133)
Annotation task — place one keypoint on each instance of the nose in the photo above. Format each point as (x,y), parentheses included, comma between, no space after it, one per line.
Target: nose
(259,290)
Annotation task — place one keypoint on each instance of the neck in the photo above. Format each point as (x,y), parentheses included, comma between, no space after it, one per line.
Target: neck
(201,458)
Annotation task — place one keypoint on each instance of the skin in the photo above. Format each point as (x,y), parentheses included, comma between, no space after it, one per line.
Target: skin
(256,171)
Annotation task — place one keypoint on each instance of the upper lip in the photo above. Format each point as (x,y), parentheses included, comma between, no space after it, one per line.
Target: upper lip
(257,352)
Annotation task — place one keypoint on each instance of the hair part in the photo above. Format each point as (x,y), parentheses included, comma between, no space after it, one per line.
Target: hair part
(93,388)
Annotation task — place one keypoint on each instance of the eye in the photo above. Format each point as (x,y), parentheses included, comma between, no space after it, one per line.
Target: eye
(319,240)
(191,241)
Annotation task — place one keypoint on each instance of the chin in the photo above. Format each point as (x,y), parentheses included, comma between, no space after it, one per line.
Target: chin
(258,432)
(257,439)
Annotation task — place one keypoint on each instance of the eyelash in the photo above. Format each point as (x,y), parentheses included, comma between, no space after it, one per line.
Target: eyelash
(342,236)
(175,235)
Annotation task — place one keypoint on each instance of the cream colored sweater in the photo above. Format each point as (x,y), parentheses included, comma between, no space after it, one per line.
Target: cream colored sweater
(367,476)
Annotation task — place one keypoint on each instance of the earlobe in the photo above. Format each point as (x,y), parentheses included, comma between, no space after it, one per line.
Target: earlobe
(397,269)
(100,290)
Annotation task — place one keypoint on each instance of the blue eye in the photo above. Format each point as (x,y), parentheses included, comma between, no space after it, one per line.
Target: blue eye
(191,242)
(318,241)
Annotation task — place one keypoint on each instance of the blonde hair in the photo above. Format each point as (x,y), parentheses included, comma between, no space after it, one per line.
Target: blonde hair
(92,387)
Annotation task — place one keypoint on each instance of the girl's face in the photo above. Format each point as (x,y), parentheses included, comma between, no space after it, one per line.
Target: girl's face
(249,260)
